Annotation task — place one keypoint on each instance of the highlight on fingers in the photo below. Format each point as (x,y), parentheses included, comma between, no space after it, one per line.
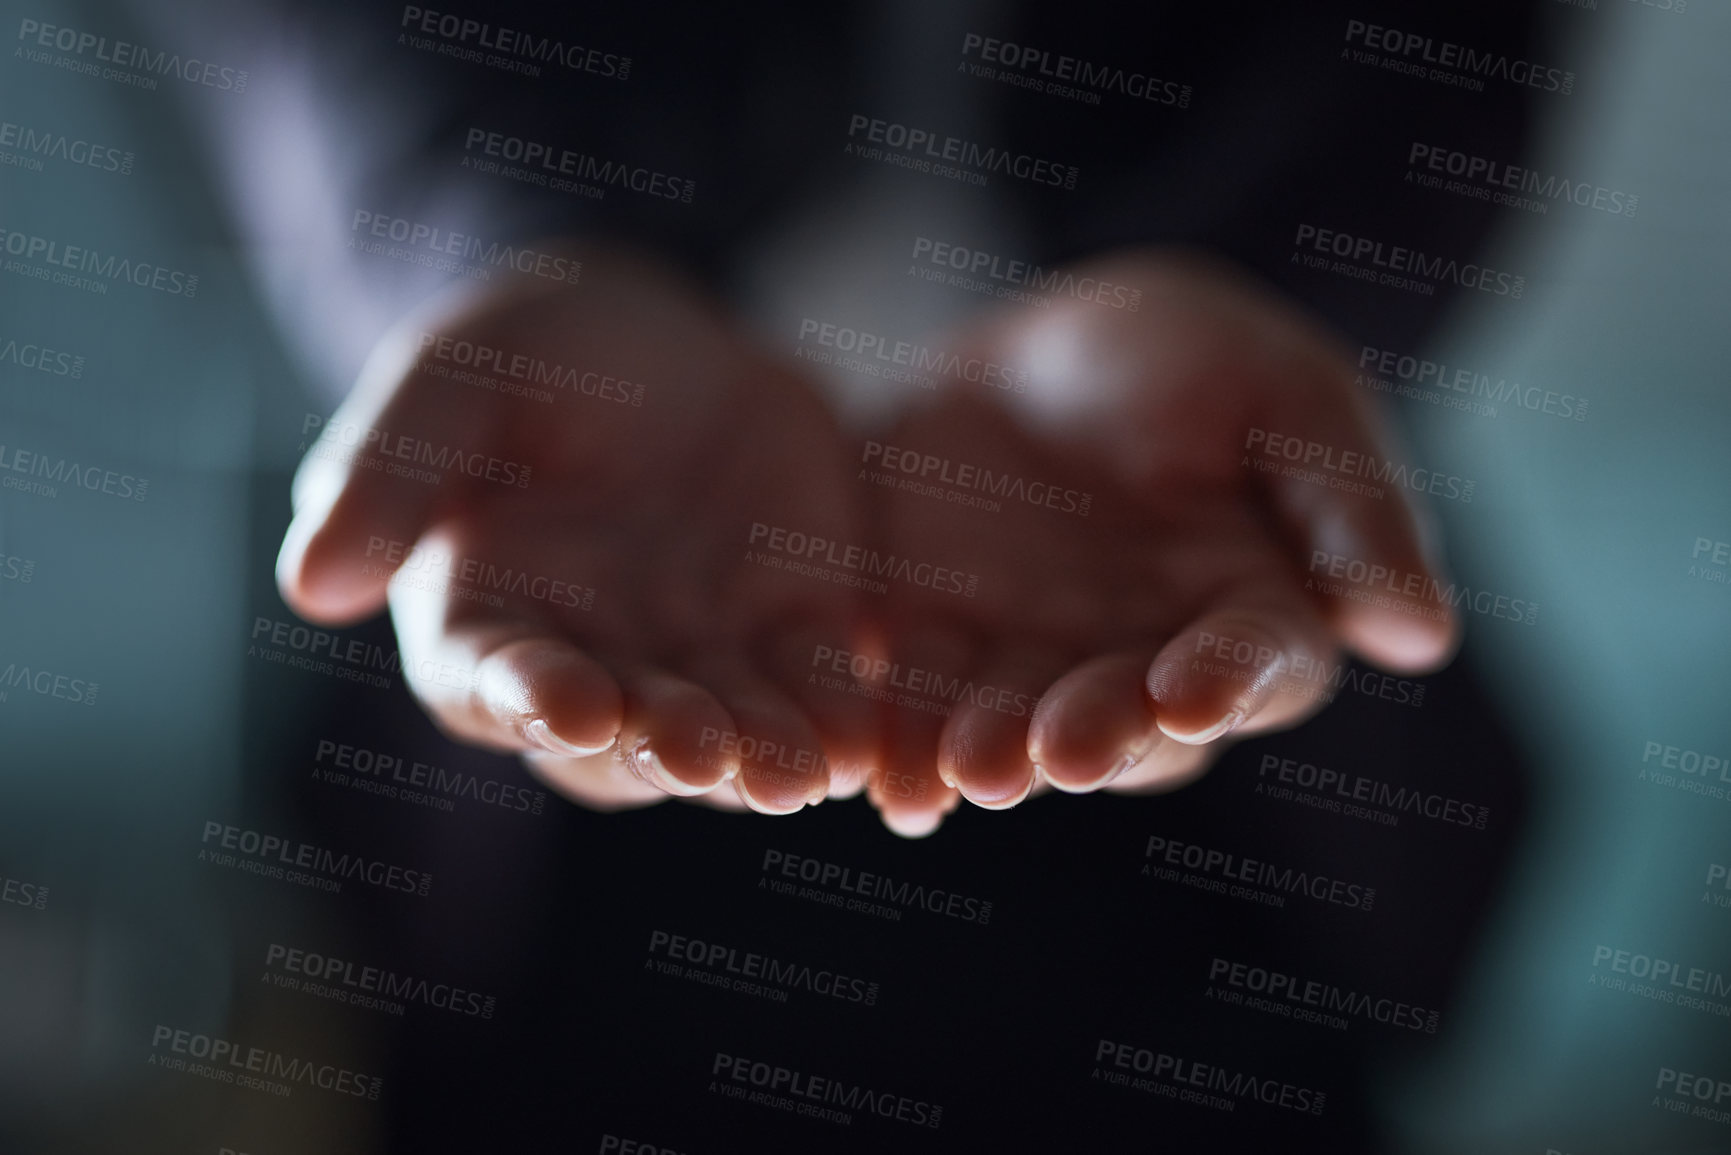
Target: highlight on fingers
(1094,724)
(1239,666)
(1390,607)
(675,736)
(983,749)
(781,763)
(352,501)
(910,795)
(534,693)
(1361,549)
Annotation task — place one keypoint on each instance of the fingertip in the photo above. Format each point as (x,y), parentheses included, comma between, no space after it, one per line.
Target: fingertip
(1402,643)
(1094,724)
(913,824)
(765,801)
(647,764)
(913,804)
(782,769)
(558,698)
(317,581)
(542,735)
(1204,733)
(984,757)
(1206,681)
(676,735)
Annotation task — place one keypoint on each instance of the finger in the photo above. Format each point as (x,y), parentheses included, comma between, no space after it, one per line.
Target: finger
(811,665)
(675,735)
(515,686)
(984,751)
(359,494)
(930,661)
(1236,664)
(666,747)
(908,794)
(505,680)
(1095,723)
(780,758)
(1363,549)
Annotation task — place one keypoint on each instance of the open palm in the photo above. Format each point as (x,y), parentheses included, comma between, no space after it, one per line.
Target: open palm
(584,587)
(1144,589)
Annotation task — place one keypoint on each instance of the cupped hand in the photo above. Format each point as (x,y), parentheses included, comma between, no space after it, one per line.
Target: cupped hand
(1152,580)
(558,490)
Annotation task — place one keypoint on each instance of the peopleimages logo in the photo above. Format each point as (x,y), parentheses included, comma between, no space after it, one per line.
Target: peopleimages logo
(508,49)
(879,679)
(1712,1096)
(34,144)
(229,1062)
(1665,973)
(524,371)
(1335,467)
(123,55)
(802,1093)
(451,573)
(1396,266)
(907,355)
(856,564)
(825,875)
(561,169)
(369,987)
(269,854)
(930,475)
(1202,1084)
(390,451)
(1308,1000)
(48,259)
(441,249)
(1217,871)
(1428,58)
(1690,771)
(1243,660)
(20,893)
(1338,787)
(1010,279)
(1417,594)
(30,355)
(57,471)
(925,150)
(36,680)
(752,973)
(394,776)
(1069,77)
(1424,379)
(1484,179)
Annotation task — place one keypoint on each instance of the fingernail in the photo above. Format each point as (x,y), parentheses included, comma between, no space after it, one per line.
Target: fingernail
(917,824)
(1008,801)
(1125,765)
(646,766)
(1219,730)
(542,735)
(759,805)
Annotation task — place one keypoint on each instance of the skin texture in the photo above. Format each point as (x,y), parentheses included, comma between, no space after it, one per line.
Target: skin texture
(686,653)
(1118,650)
(1175,614)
